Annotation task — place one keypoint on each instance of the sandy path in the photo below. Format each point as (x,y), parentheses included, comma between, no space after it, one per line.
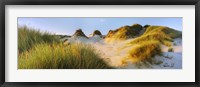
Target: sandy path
(113,52)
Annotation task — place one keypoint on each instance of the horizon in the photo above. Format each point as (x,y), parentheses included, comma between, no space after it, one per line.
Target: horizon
(68,26)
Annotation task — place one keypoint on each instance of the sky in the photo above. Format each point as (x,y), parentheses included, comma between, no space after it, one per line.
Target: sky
(68,26)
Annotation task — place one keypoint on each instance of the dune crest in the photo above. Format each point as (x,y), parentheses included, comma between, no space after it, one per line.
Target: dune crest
(123,33)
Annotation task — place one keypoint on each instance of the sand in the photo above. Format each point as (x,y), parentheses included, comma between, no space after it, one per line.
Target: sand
(114,53)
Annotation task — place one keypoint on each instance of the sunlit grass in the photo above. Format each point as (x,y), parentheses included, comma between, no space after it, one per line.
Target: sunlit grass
(158,36)
(148,45)
(60,56)
(144,51)
(162,34)
(39,50)
(123,33)
(28,37)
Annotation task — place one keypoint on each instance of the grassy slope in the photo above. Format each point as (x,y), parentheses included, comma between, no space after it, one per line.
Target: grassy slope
(28,37)
(60,56)
(144,51)
(149,43)
(123,33)
(162,34)
(43,51)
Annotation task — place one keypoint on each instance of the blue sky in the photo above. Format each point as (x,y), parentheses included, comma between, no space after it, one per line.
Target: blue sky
(67,26)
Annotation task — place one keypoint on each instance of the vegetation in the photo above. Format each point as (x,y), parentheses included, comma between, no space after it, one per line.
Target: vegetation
(46,51)
(148,44)
(162,34)
(168,31)
(27,38)
(60,56)
(170,49)
(144,51)
(96,32)
(146,26)
(43,51)
(79,32)
(124,33)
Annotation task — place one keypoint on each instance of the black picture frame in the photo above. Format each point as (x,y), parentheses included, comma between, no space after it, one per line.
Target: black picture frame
(98,2)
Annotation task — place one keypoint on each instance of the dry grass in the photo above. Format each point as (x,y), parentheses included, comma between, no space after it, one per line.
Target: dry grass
(162,34)
(123,33)
(144,51)
(148,44)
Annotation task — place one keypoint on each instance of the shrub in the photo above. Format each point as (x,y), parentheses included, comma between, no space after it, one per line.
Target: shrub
(60,56)
(146,26)
(145,51)
(28,37)
(137,27)
(174,44)
(97,32)
(170,49)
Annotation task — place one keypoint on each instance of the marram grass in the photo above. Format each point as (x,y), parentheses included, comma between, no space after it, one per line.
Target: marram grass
(28,37)
(162,34)
(123,33)
(148,44)
(144,51)
(60,56)
(37,50)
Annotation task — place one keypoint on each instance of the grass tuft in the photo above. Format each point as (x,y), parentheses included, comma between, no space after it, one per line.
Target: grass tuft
(45,51)
(148,44)
(162,34)
(144,51)
(28,37)
(60,56)
(170,49)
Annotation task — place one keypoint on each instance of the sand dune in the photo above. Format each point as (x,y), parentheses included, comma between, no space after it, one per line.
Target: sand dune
(114,52)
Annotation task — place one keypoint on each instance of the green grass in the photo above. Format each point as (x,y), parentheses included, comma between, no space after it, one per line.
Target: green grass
(44,51)
(60,56)
(28,37)
(144,51)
